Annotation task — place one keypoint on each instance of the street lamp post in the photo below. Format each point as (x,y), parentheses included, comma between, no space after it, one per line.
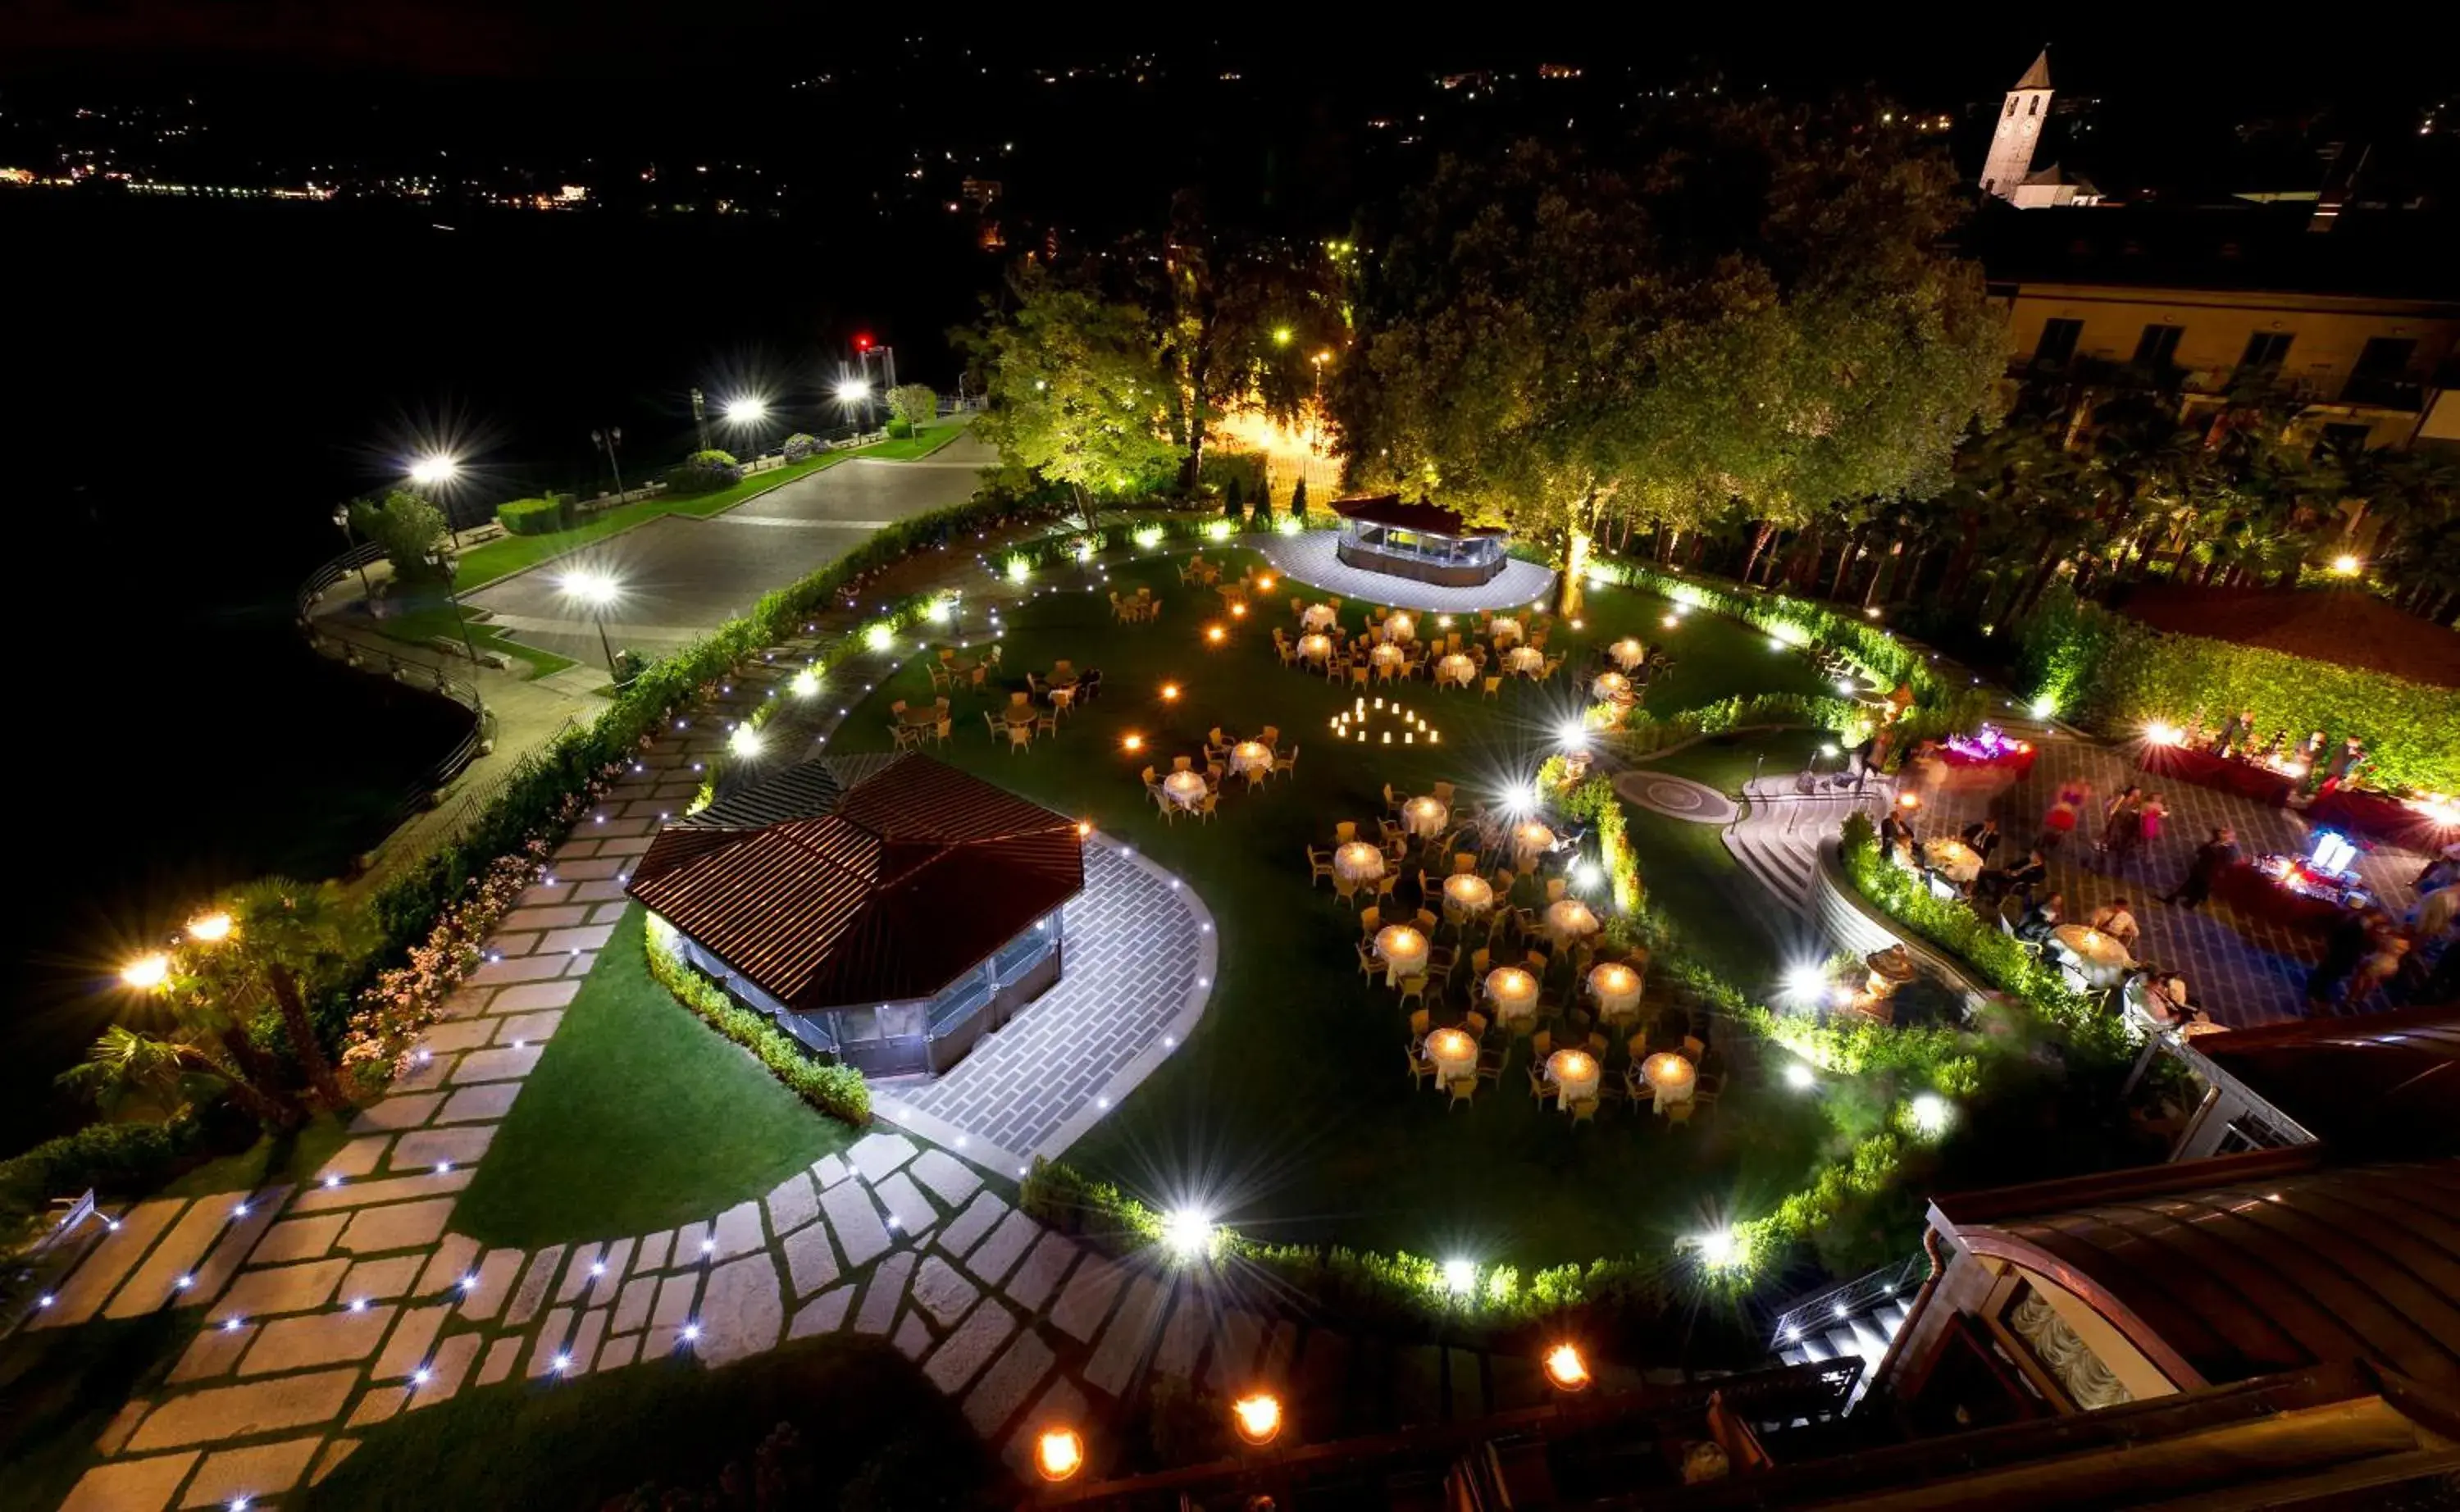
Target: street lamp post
(700,418)
(441,561)
(851,392)
(745,415)
(342,520)
(598,591)
(608,439)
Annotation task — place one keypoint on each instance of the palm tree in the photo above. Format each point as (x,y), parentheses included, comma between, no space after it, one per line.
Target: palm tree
(287,937)
(122,1060)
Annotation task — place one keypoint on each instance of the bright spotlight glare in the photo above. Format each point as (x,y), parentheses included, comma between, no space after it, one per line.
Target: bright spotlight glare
(1586,874)
(433,469)
(147,972)
(1574,733)
(589,587)
(879,637)
(1459,1276)
(210,927)
(1719,1249)
(1930,1112)
(2043,708)
(1799,1077)
(939,612)
(853,391)
(806,682)
(1805,983)
(745,741)
(1189,1232)
(1259,1418)
(2347,565)
(743,411)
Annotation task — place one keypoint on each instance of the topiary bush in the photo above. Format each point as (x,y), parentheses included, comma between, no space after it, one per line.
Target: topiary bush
(535,517)
(899,429)
(704,473)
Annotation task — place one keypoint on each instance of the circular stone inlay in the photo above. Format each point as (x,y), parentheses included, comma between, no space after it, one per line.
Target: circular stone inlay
(1676,798)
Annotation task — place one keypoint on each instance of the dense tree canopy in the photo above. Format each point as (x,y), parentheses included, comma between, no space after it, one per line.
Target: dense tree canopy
(1748,309)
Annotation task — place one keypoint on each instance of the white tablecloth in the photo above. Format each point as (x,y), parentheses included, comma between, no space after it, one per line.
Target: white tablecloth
(1953,859)
(1514,992)
(1523,659)
(1403,950)
(1467,895)
(1315,647)
(1186,789)
(1425,818)
(1570,919)
(1358,861)
(1455,669)
(1615,987)
(1400,627)
(1251,756)
(1507,629)
(1528,841)
(1574,1074)
(1454,1055)
(1628,654)
(1317,617)
(1387,655)
(1670,1077)
(1608,687)
(2101,958)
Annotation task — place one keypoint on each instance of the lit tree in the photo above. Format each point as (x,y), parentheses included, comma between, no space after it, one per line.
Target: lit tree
(913,403)
(1075,394)
(405,525)
(288,940)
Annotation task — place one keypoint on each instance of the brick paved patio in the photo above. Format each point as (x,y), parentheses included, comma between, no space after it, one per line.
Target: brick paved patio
(1139,967)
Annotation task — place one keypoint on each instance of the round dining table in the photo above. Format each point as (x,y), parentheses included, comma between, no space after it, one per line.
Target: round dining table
(1514,992)
(1672,1077)
(1610,688)
(1523,659)
(1454,1055)
(1628,654)
(1467,895)
(1251,756)
(1403,950)
(1574,1074)
(1317,617)
(1315,647)
(1953,859)
(1616,988)
(1186,789)
(1455,669)
(1356,861)
(1425,817)
(1388,654)
(1506,629)
(1569,921)
(1529,841)
(1400,627)
(2100,957)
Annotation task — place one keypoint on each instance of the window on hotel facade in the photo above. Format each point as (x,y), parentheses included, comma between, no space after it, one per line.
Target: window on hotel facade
(2058,343)
(2159,347)
(2267,349)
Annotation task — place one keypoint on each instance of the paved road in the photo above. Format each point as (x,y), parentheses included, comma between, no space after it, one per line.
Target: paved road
(683,577)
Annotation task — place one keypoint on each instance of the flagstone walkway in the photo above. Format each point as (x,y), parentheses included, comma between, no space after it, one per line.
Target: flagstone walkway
(334,1307)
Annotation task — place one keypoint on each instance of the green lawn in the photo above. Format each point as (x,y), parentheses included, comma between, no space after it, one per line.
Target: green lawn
(638,1117)
(867,1431)
(1716,909)
(286,1158)
(1287,1109)
(923,442)
(426,623)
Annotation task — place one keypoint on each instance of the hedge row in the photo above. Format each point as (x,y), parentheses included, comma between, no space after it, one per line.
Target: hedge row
(2114,674)
(1793,621)
(113,1156)
(535,517)
(837,1090)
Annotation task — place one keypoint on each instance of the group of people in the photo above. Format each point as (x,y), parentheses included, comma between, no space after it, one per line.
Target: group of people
(2324,765)
(2370,956)
(2126,821)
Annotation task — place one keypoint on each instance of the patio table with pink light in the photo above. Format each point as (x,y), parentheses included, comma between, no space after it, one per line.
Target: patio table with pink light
(1507,629)
(1467,896)
(1400,627)
(1388,654)
(1611,688)
(1186,789)
(1529,840)
(1523,659)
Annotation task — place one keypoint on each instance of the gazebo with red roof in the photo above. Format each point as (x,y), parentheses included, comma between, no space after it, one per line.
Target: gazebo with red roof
(888,914)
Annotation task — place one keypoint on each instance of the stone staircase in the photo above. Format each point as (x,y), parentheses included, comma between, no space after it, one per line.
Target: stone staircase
(1859,1318)
(1777,842)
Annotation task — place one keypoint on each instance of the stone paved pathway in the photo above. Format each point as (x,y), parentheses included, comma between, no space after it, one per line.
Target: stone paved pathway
(333,1308)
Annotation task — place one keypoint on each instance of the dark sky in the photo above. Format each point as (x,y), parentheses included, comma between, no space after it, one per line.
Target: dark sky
(1928,54)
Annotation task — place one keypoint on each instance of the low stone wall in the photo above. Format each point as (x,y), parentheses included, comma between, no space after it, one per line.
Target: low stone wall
(1847,923)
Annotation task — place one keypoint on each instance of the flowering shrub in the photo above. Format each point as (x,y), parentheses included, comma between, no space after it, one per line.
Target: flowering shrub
(405,999)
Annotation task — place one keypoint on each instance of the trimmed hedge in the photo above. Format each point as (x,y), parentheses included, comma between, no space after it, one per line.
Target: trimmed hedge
(535,517)
(112,1157)
(837,1090)
(704,473)
(2114,674)
(1794,621)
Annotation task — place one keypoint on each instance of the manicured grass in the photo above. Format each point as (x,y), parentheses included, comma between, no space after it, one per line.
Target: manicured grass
(508,554)
(426,623)
(869,1432)
(638,1117)
(921,443)
(1288,1111)
(1716,909)
(290,1158)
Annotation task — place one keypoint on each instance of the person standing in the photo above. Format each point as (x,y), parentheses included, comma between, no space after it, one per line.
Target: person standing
(2352,934)
(2119,819)
(2213,857)
(2236,735)
(2057,824)
(2343,769)
(2146,829)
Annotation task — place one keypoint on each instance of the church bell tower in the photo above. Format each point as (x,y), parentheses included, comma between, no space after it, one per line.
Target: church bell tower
(2019,131)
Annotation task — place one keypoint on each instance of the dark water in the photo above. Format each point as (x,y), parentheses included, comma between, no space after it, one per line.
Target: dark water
(197,384)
